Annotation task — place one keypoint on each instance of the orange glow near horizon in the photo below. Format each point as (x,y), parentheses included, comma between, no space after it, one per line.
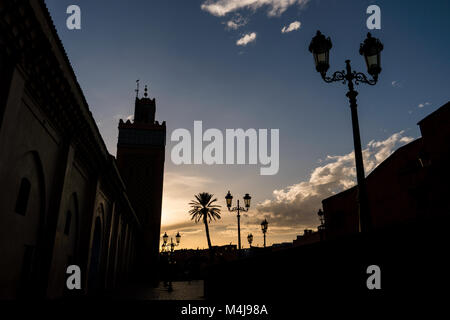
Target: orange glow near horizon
(179,191)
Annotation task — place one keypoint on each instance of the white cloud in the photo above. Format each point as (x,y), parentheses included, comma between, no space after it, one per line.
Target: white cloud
(297,205)
(221,8)
(232,25)
(292,27)
(246,39)
(123,117)
(396,84)
(236,22)
(421,105)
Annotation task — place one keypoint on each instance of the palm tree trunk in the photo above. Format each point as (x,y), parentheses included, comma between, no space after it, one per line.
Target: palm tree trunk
(207,232)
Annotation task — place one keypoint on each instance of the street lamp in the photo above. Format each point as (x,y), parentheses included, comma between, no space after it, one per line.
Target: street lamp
(321,217)
(371,48)
(169,249)
(320,47)
(264,226)
(322,223)
(250,239)
(229,200)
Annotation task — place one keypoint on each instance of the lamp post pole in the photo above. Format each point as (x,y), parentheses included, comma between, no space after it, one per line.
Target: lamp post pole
(371,49)
(264,239)
(238,209)
(264,227)
(169,248)
(239,225)
(364,214)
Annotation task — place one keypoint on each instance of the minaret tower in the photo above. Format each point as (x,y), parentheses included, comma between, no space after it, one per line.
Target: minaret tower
(140,158)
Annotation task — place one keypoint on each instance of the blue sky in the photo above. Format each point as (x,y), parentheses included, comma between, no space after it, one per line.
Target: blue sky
(193,66)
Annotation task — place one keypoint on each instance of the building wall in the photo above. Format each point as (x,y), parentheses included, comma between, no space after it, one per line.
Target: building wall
(28,151)
(341,214)
(308,237)
(435,155)
(62,200)
(409,186)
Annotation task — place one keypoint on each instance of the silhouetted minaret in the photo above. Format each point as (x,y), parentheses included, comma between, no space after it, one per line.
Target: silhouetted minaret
(140,158)
(144,110)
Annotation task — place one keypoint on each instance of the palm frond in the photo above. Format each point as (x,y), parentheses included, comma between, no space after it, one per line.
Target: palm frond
(203,207)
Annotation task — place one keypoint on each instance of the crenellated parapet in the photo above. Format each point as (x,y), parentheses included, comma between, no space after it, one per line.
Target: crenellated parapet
(144,130)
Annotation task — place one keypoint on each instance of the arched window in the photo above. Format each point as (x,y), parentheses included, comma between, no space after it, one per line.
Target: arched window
(68,222)
(23,196)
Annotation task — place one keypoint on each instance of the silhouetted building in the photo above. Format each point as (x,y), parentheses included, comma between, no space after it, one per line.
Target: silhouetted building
(227,252)
(309,236)
(140,158)
(62,199)
(410,185)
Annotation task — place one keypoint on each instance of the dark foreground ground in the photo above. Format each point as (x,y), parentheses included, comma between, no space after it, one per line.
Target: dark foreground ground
(413,260)
(181,290)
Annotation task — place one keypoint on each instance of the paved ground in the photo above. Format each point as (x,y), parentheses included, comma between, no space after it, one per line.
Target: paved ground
(182,290)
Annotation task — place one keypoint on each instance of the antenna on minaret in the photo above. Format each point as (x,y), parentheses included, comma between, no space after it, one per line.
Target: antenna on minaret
(137,88)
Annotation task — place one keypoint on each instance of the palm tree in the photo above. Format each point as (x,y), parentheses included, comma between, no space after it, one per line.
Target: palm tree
(204,209)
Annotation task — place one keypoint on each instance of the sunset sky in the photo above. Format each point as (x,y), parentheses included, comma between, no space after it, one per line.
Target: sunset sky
(245,64)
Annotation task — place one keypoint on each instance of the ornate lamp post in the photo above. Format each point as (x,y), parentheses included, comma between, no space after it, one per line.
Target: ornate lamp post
(229,200)
(250,239)
(169,249)
(322,223)
(264,226)
(371,49)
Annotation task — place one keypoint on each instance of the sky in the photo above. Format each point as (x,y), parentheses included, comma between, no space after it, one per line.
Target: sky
(245,64)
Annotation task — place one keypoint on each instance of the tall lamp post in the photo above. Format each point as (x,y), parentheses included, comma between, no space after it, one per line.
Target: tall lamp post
(371,49)
(264,227)
(229,200)
(169,249)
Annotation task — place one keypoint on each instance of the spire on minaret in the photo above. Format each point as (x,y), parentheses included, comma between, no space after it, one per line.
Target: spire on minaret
(137,88)
(145,108)
(145,92)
